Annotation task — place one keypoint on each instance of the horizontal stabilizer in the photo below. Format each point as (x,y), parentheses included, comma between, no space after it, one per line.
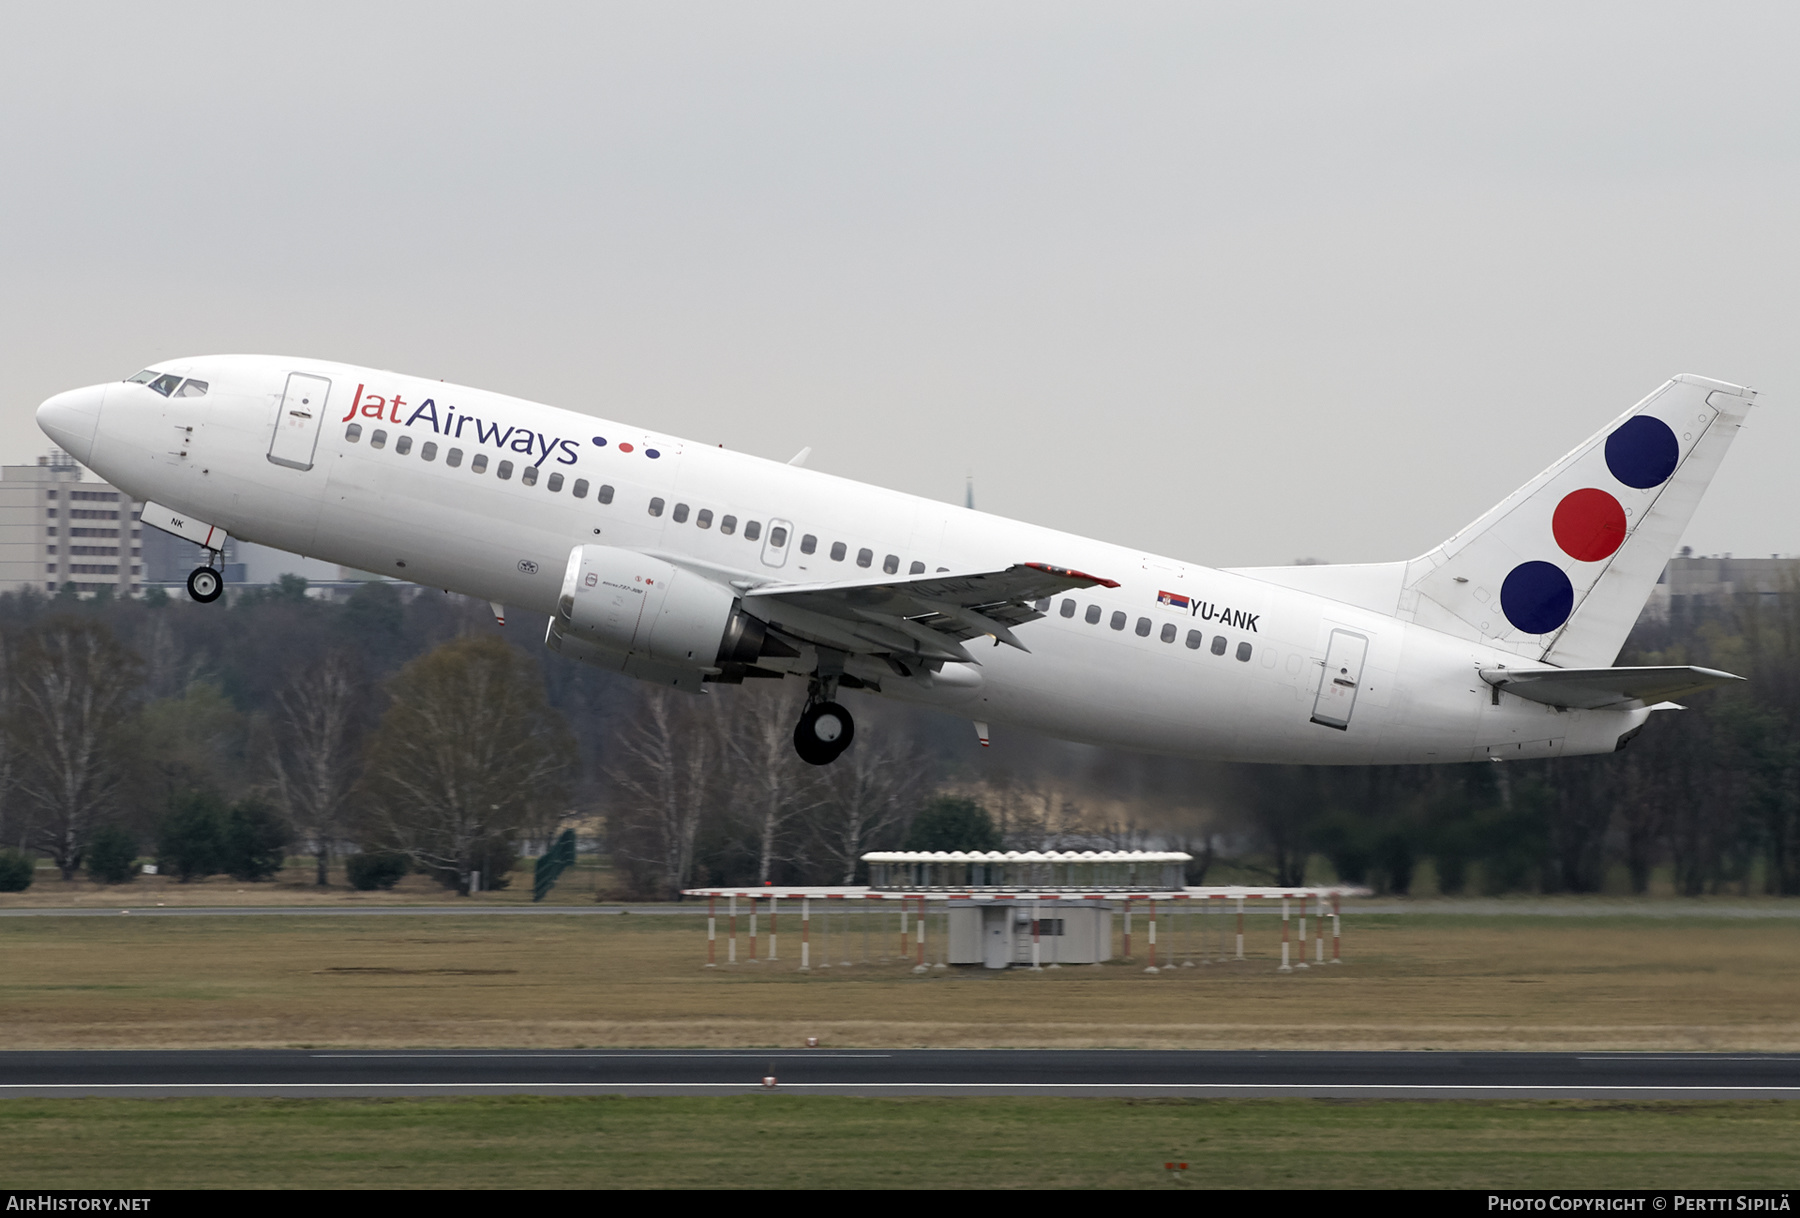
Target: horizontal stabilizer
(1592,688)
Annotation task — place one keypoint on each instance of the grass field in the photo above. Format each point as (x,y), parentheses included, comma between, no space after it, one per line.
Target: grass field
(781,1141)
(1413,982)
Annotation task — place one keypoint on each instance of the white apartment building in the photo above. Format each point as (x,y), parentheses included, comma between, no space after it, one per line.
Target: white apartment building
(57,529)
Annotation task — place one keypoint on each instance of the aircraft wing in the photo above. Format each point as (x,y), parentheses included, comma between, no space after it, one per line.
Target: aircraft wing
(926,617)
(1592,688)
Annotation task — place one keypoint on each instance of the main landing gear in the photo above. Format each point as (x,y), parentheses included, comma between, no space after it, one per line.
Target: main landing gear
(825,730)
(205,584)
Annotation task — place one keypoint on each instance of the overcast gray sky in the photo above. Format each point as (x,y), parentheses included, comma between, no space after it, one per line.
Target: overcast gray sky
(1233,282)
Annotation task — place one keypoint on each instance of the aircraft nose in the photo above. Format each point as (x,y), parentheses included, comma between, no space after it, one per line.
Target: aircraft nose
(71,419)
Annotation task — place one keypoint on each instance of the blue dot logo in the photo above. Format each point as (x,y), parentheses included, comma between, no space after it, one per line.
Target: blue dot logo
(599,441)
(1642,452)
(1537,597)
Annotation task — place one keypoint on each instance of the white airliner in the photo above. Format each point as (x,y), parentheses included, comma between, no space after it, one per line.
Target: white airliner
(682,564)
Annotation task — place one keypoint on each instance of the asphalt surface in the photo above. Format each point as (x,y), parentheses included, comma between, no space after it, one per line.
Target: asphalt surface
(876,1072)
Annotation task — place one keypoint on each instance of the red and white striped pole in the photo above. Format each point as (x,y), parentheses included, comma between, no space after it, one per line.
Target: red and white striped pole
(772,914)
(1240,928)
(903,901)
(1285,966)
(1300,962)
(1128,930)
(712,929)
(1152,968)
(753,959)
(806,934)
(731,942)
(1319,931)
(1336,929)
(920,919)
(1037,924)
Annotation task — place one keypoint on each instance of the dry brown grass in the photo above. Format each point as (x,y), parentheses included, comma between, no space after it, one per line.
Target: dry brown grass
(293,886)
(1413,982)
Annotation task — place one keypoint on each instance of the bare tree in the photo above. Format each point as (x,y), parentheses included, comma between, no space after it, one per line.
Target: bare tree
(670,773)
(312,756)
(72,690)
(867,796)
(773,787)
(467,752)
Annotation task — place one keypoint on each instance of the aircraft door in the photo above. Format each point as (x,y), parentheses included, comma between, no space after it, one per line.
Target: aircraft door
(297,421)
(1344,656)
(777,542)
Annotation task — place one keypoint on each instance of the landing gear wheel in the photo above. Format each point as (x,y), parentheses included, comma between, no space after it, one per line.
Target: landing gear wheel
(205,584)
(825,730)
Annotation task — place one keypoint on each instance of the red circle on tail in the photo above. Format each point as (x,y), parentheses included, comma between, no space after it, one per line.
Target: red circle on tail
(1589,525)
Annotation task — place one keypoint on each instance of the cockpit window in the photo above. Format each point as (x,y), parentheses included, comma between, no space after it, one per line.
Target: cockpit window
(144,377)
(191,389)
(165,384)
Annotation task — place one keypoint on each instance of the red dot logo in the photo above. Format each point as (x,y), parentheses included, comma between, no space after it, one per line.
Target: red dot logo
(1589,525)
(624,448)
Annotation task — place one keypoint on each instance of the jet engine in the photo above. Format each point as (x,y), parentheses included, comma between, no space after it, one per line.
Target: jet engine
(626,610)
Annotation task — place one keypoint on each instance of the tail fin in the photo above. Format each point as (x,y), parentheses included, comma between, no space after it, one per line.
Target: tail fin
(1560,569)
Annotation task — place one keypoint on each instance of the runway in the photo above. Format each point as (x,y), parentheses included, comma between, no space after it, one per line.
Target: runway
(349,1073)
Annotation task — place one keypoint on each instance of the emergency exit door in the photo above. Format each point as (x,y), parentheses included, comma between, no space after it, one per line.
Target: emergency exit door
(297,421)
(1344,656)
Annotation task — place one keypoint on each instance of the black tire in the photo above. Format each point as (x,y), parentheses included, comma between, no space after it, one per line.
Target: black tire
(825,730)
(205,585)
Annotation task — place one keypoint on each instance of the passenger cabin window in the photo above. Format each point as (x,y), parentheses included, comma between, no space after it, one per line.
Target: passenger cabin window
(704,519)
(553,483)
(428,451)
(453,458)
(165,384)
(752,530)
(728,525)
(680,514)
(1093,614)
(1118,619)
(656,507)
(1143,628)
(1218,647)
(478,463)
(604,494)
(1194,639)
(808,544)
(1068,608)
(528,475)
(917,568)
(864,557)
(1168,632)
(1042,605)
(891,563)
(353,433)
(777,537)
(1243,652)
(191,389)
(503,471)
(378,438)
(837,551)
(580,489)
(403,445)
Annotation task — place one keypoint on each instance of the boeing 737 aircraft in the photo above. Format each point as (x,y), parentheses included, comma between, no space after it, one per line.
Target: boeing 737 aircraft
(684,564)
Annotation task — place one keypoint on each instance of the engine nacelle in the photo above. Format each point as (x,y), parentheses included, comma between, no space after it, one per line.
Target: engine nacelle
(638,606)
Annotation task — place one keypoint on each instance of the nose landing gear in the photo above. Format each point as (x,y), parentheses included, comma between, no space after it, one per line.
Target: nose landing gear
(205,584)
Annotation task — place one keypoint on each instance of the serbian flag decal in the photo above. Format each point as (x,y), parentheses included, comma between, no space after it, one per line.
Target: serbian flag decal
(1173,599)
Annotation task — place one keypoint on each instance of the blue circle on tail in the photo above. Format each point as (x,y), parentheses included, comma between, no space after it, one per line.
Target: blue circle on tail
(1642,452)
(1537,597)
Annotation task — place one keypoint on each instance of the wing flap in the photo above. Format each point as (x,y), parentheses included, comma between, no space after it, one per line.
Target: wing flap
(1593,688)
